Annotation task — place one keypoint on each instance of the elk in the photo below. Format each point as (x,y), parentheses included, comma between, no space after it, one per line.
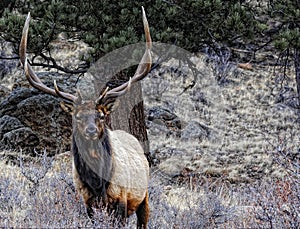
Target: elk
(109,166)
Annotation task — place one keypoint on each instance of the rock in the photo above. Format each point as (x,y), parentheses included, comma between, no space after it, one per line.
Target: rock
(160,113)
(3,92)
(168,152)
(34,121)
(195,130)
(161,120)
(14,135)
(198,97)
(22,138)
(8,123)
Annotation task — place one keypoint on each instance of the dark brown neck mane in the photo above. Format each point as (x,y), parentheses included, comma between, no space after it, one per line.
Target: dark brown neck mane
(93,160)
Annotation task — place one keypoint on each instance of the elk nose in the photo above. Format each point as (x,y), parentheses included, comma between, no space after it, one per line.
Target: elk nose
(91,130)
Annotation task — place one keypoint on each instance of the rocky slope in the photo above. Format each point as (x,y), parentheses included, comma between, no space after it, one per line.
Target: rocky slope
(228,129)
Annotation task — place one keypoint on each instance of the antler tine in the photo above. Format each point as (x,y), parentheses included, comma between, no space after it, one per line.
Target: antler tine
(31,76)
(113,94)
(103,94)
(64,95)
(23,49)
(142,69)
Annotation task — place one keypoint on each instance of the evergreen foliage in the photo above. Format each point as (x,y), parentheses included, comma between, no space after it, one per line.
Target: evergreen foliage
(287,39)
(287,15)
(107,25)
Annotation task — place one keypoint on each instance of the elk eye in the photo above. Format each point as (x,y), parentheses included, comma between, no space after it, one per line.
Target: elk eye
(78,116)
(100,115)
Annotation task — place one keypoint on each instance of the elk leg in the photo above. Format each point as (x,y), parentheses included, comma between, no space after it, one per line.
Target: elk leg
(143,213)
(118,210)
(89,209)
(90,213)
(84,192)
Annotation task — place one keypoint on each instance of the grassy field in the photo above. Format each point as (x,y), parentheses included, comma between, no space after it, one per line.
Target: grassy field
(243,172)
(41,194)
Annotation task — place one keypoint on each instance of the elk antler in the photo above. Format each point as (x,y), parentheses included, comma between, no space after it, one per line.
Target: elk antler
(142,69)
(31,75)
(108,95)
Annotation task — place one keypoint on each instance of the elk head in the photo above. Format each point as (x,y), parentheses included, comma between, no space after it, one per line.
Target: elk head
(88,116)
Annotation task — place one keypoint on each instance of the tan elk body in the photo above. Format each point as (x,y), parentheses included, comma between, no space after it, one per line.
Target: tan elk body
(109,167)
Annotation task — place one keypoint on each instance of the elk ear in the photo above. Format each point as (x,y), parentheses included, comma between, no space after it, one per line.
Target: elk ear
(67,107)
(112,106)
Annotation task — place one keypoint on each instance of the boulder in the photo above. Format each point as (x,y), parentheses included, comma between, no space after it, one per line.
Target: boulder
(195,130)
(33,121)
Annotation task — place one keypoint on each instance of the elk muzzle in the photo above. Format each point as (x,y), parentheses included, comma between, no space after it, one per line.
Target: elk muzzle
(91,131)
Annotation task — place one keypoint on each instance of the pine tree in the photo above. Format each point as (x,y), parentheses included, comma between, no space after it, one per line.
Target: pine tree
(108,25)
(287,36)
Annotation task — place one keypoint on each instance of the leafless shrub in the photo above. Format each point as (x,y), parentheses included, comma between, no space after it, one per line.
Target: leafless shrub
(289,159)
(35,195)
(36,169)
(181,207)
(275,203)
(54,203)
(219,60)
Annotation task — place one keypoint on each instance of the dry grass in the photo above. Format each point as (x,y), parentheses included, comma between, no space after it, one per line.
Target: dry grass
(247,117)
(41,194)
(244,174)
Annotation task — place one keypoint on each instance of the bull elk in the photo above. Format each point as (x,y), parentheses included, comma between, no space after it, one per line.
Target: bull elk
(109,167)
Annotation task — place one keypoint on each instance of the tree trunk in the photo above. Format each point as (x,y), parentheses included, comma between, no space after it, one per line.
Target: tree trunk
(129,114)
(297,71)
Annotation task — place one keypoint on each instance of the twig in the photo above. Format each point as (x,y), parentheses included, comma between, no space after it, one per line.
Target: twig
(56,66)
(9,58)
